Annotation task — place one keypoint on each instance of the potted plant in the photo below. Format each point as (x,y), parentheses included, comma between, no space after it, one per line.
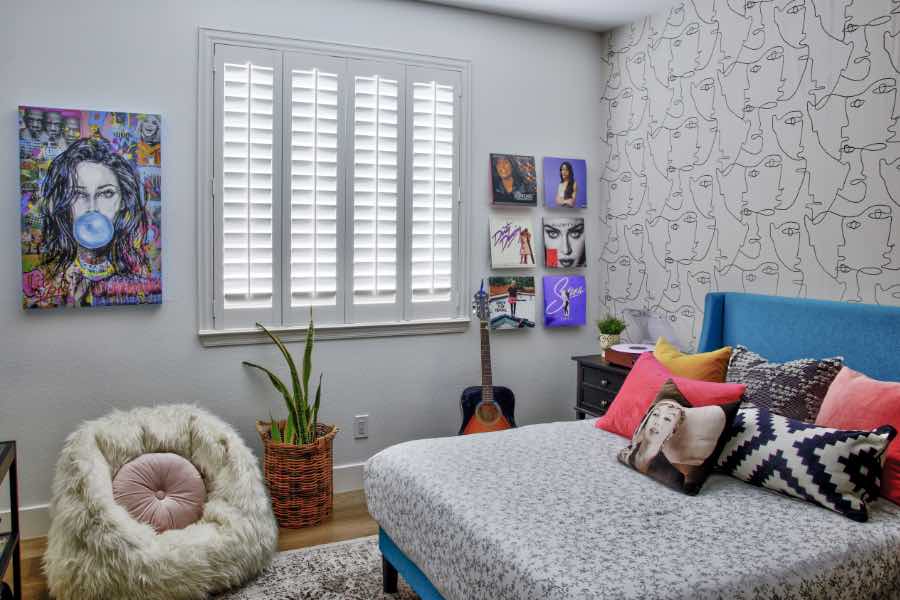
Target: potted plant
(611,330)
(298,454)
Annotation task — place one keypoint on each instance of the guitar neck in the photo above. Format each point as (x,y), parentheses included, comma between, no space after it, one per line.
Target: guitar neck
(487,385)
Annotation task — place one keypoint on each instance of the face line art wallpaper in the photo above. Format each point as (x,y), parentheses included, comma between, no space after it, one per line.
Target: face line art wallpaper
(754,147)
(90,207)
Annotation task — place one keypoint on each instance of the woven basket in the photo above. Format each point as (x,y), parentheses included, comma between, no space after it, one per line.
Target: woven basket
(299,477)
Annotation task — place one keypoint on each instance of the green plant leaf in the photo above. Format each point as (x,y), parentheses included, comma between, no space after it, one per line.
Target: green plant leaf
(279,385)
(289,431)
(295,380)
(315,411)
(307,356)
(275,432)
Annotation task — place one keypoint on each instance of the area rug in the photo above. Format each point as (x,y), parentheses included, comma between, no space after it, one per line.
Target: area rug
(348,570)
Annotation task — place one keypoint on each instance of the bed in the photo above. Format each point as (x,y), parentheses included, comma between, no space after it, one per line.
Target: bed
(546,512)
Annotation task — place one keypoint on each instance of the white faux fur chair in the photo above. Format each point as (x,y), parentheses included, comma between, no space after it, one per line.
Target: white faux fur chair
(97,551)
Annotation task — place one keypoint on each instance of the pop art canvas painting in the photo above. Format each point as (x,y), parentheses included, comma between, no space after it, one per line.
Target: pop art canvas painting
(564,245)
(512,242)
(513,180)
(90,207)
(565,182)
(565,301)
(511,302)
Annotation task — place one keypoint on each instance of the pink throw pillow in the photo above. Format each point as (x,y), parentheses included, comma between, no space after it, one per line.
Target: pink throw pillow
(855,401)
(643,383)
(161,489)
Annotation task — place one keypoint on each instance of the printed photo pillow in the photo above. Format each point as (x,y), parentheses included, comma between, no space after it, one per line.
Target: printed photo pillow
(677,444)
(794,389)
(837,469)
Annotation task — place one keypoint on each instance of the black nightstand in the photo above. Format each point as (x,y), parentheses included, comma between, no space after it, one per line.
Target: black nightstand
(598,384)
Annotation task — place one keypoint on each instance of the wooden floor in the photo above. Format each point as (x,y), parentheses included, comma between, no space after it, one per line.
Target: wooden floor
(350,520)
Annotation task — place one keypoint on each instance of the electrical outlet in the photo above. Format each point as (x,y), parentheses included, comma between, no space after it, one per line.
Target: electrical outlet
(360,427)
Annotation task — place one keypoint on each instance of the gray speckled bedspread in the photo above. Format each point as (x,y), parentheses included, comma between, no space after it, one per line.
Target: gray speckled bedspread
(546,512)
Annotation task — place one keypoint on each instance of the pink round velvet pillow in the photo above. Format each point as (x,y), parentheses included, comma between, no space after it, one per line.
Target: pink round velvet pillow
(161,489)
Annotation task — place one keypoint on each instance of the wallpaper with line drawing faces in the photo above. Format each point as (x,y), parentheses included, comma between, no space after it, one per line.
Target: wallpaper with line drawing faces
(752,146)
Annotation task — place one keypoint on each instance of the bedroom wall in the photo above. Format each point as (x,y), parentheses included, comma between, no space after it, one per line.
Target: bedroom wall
(59,368)
(751,147)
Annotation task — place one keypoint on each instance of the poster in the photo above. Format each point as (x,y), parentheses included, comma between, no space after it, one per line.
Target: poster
(565,301)
(511,302)
(565,182)
(512,241)
(513,180)
(90,207)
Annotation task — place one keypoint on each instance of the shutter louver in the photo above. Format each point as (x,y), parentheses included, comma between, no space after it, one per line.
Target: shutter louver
(375,189)
(314,188)
(247,185)
(432,192)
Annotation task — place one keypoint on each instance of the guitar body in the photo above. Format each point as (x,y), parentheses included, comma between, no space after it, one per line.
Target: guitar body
(480,416)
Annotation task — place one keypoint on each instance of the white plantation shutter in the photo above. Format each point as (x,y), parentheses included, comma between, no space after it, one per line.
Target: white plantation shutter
(335,178)
(247,183)
(314,181)
(434,189)
(377,181)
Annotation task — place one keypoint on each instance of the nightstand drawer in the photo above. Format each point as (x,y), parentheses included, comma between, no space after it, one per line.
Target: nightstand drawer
(604,379)
(596,400)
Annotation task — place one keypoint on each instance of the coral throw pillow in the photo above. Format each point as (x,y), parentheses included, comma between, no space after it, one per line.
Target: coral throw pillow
(643,383)
(706,366)
(677,444)
(161,489)
(855,401)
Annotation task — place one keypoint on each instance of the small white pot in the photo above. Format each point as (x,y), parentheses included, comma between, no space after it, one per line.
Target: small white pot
(607,340)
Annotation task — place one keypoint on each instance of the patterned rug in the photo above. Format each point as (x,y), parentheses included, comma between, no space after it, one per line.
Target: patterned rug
(348,570)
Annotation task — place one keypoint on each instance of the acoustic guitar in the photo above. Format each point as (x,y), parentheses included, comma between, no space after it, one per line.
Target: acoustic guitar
(486,407)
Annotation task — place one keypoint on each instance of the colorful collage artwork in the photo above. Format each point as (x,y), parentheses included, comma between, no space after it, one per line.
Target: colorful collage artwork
(511,302)
(90,207)
(512,242)
(565,300)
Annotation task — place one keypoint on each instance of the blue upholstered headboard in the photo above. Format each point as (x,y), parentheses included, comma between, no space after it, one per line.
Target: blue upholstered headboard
(780,329)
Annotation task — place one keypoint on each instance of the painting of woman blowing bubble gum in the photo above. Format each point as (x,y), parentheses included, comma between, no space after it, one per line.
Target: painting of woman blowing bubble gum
(90,208)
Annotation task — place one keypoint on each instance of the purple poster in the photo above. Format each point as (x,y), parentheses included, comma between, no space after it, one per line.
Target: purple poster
(565,300)
(565,182)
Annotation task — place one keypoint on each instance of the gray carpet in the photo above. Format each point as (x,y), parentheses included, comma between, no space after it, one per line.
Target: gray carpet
(348,570)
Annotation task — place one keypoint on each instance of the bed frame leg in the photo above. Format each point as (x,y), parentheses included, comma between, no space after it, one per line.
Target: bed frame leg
(389,576)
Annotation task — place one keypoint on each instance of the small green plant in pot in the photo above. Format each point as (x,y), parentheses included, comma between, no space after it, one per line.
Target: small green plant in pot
(611,329)
(298,453)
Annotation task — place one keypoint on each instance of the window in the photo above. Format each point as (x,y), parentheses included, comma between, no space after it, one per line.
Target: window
(333,176)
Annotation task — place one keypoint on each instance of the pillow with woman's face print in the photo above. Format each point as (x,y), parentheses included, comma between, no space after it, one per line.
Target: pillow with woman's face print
(676,443)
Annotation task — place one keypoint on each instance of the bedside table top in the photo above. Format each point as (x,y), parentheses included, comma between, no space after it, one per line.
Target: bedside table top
(596,361)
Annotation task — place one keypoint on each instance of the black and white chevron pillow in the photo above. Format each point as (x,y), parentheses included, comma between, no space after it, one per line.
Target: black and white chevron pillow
(840,470)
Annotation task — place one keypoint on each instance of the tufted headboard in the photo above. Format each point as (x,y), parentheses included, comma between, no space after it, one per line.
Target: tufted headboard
(780,329)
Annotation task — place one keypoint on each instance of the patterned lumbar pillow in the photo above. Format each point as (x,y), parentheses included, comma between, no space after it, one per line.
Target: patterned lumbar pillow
(794,389)
(676,443)
(837,469)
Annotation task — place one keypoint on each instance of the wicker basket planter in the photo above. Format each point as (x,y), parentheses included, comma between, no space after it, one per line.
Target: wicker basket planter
(299,478)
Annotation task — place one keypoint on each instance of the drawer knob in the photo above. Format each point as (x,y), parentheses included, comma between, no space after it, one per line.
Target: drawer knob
(604,382)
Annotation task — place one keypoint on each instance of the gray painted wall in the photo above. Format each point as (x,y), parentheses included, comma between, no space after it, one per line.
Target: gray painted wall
(536,91)
(751,147)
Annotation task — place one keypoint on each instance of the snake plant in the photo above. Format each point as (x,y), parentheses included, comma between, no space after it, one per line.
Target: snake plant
(303,415)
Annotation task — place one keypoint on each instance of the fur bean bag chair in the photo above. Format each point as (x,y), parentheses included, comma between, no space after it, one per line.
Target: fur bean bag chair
(97,551)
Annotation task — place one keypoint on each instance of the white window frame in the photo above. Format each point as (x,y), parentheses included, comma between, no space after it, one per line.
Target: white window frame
(419,320)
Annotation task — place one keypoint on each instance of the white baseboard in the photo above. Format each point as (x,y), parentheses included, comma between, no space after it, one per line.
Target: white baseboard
(34,521)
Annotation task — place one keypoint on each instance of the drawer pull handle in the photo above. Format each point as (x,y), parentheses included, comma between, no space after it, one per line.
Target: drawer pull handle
(604,382)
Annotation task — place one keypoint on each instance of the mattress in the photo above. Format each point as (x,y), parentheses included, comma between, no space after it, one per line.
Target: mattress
(546,512)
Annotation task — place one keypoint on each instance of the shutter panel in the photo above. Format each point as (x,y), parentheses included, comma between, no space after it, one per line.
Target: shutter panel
(376,189)
(248,187)
(313,87)
(433,166)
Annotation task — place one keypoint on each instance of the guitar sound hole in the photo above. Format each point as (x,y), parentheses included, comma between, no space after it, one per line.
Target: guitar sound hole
(488,412)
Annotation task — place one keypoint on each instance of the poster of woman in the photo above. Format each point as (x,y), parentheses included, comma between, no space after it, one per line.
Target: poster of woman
(512,302)
(513,180)
(564,246)
(565,301)
(90,207)
(565,182)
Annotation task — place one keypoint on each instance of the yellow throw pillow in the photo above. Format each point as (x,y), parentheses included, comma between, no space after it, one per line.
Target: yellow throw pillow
(706,366)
